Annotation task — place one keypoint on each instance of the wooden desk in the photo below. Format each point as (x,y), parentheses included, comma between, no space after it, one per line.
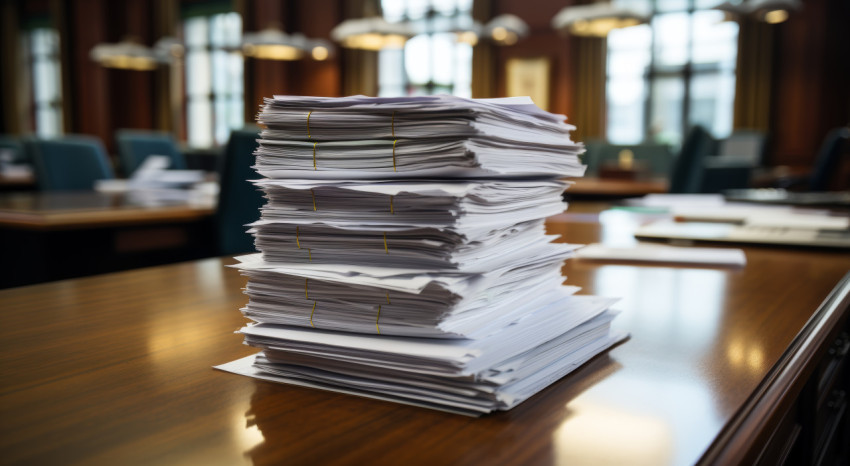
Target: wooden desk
(57,235)
(609,188)
(116,369)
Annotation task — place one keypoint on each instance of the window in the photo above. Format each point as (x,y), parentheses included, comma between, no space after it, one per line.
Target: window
(433,62)
(43,45)
(673,73)
(214,103)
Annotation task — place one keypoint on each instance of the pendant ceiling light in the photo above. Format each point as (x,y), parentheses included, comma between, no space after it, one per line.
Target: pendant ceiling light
(466,29)
(596,19)
(769,11)
(506,29)
(131,55)
(274,44)
(372,34)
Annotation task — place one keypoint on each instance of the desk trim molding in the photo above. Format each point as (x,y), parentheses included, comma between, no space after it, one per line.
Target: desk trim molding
(749,429)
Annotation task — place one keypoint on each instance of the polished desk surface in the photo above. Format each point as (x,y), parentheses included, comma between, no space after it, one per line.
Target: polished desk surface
(87,209)
(116,369)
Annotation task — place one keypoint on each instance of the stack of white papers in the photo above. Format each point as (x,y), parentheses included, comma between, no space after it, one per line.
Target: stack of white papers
(409,262)
(450,137)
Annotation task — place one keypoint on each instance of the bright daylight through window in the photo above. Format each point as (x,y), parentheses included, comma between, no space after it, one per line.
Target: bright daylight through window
(671,74)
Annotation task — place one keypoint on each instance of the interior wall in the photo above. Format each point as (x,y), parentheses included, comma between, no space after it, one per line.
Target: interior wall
(811,92)
(265,78)
(542,41)
(809,96)
(102,100)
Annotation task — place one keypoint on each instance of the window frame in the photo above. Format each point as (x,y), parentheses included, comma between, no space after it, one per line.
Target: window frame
(208,54)
(39,107)
(686,73)
(428,21)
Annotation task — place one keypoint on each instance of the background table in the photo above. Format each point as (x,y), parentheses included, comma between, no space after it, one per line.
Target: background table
(116,369)
(55,235)
(612,188)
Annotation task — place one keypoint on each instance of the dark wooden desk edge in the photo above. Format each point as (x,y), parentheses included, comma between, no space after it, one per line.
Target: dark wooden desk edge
(740,440)
(105,219)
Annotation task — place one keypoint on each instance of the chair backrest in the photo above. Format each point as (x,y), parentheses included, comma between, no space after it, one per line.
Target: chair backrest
(828,159)
(744,144)
(687,168)
(12,150)
(70,163)
(239,201)
(134,146)
(725,172)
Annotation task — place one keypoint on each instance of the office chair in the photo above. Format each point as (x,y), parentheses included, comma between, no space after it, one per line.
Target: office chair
(687,170)
(70,163)
(134,146)
(239,201)
(828,158)
(12,151)
(744,144)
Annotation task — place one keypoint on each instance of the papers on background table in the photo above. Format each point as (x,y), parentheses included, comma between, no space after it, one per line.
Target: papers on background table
(711,218)
(153,183)
(664,254)
(403,254)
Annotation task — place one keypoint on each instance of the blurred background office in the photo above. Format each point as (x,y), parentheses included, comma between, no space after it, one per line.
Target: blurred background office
(680,95)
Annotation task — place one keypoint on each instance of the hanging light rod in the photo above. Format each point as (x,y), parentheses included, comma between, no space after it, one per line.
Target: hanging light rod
(596,19)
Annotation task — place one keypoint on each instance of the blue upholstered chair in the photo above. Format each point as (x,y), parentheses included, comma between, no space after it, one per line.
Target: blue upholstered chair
(744,144)
(12,150)
(70,163)
(828,158)
(687,173)
(134,146)
(239,201)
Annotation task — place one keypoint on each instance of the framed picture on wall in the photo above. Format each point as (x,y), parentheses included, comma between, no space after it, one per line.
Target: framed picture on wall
(529,76)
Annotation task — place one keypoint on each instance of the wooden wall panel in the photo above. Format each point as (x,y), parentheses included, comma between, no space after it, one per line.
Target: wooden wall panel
(89,81)
(316,19)
(131,92)
(542,41)
(811,93)
(265,78)
(103,100)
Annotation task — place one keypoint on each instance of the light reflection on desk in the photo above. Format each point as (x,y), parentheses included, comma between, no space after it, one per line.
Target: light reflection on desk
(674,307)
(680,307)
(640,429)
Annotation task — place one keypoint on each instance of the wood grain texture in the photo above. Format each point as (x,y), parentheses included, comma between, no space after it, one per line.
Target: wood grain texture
(117,369)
